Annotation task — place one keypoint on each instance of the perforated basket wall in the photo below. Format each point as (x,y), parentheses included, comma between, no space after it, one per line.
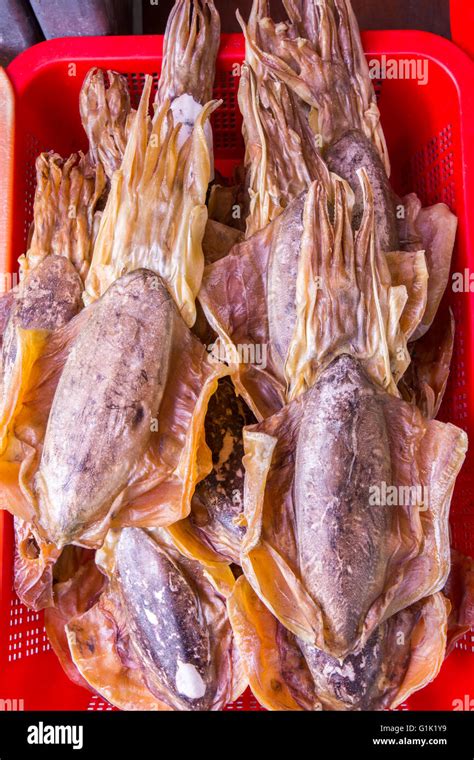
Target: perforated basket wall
(430,132)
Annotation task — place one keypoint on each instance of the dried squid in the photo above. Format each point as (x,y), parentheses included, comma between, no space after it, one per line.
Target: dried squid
(402,656)
(343,531)
(135,445)
(156,634)
(47,298)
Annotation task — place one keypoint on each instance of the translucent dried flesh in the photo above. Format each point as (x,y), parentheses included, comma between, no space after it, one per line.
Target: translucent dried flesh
(39,566)
(432,229)
(402,656)
(425,381)
(298,497)
(46,299)
(306,289)
(73,596)
(281,152)
(159,624)
(155,215)
(153,479)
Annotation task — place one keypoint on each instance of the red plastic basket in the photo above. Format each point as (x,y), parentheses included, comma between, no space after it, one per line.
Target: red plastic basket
(430,132)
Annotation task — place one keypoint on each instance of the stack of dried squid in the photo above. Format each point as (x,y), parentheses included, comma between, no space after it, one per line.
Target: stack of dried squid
(193,521)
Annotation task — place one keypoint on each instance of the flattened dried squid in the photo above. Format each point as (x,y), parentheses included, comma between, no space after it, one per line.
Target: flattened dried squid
(324,548)
(135,444)
(403,655)
(158,638)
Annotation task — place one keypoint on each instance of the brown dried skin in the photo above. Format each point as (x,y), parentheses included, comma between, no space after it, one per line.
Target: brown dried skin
(409,269)
(159,612)
(33,567)
(104,104)
(165,620)
(339,535)
(424,384)
(108,429)
(192,40)
(432,229)
(403,655)
(244,321)
(217,506)
(228,204)
(218,241)
(39,566)
(328,558)
(66,200)
(354,151)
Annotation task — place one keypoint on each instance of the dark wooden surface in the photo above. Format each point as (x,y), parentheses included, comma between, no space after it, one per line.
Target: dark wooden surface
(431,15)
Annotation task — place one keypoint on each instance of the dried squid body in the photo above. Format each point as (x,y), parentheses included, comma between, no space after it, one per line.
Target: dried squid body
(347,496)
(135,446)
(318,56)
(46,299)
(158,637)
(401,656)
(313,290)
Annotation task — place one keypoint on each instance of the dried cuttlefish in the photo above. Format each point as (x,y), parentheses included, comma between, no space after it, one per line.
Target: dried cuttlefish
(130,384)
(401,656)
(45,300)
(106,114)
(347,496)
(318,55)
(158,637)
(65,211)
(155,214)
(306,289)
